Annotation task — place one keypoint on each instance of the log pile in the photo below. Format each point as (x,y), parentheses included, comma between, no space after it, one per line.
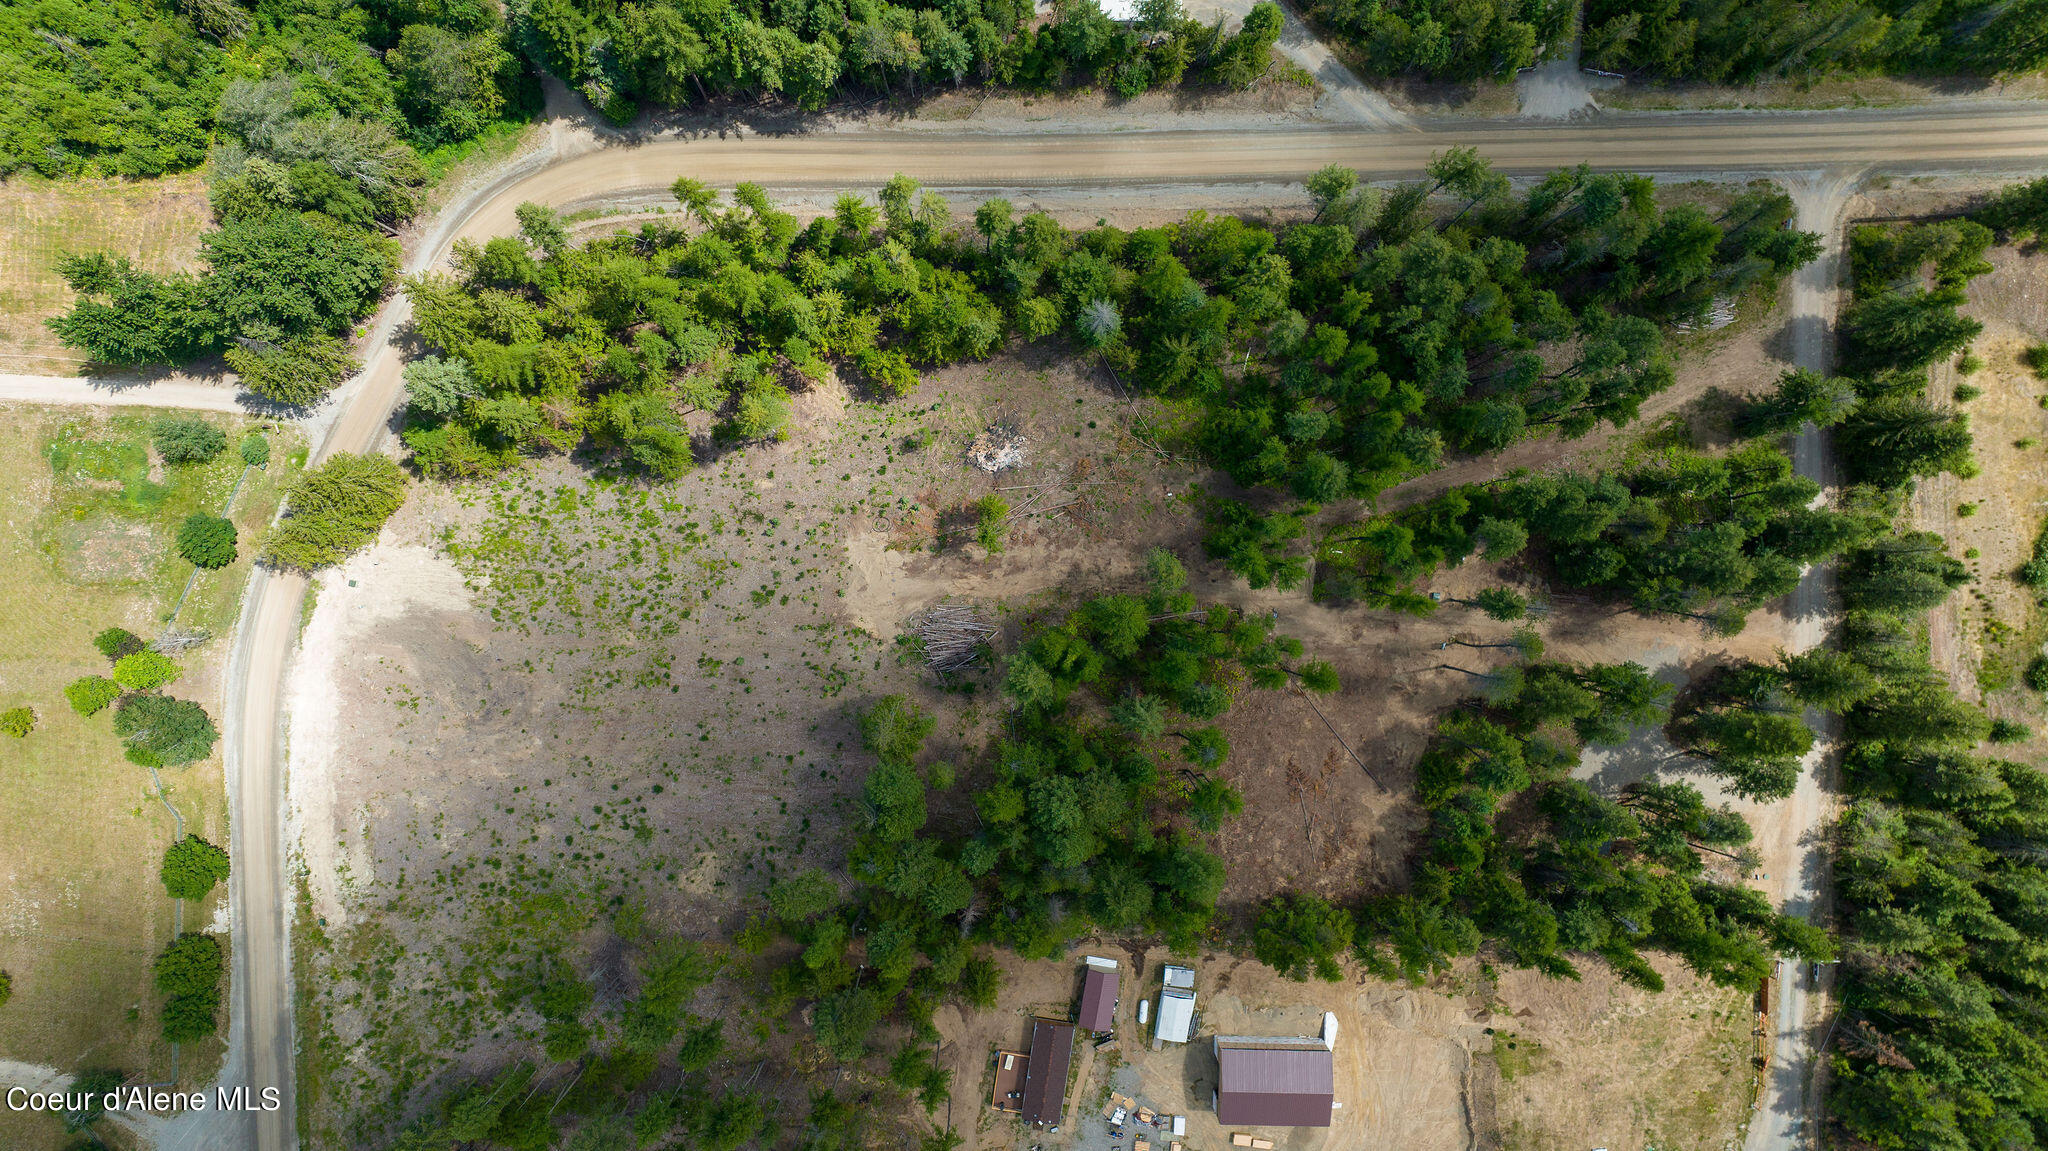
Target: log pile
(954,636)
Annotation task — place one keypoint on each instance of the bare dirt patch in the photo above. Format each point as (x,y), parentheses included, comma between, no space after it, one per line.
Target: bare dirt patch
(1534,1063)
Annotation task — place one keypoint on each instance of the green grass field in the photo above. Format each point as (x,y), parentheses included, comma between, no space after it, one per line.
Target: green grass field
(92,517)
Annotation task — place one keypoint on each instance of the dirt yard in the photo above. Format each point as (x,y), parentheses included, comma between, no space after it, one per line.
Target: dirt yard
(1533,1063)
(91,517)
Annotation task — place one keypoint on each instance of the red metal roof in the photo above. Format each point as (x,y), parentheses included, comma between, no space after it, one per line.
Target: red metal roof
(1275,1087)
(1045,1078)
(1098,1000)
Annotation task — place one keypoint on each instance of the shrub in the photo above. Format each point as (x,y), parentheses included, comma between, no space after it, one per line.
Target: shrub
(992,523)
(2036,358)
(116,642)
(256,451)
(18,721)
(1967,392)
(335,510)
(188,964)
(187,440)
(1969,364)
(192,866)
(168,731)
(6,988)
(189,972)
(90,694)
(2036,674)
(2009,731)
(208,541)
(146,671)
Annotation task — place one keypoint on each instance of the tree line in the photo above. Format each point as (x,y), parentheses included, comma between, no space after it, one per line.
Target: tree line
(1736,43)
(622,57)
(1939,860)
(1712,41)
(144,88)
(1337,356)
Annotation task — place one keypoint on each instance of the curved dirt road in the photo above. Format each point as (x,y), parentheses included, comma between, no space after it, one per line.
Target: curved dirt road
(261,1039)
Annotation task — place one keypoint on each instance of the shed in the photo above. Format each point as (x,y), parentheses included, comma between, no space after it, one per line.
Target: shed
(1181,977)
(1176,1015)
(1098,995)
(1274,1081)
(1045,1075)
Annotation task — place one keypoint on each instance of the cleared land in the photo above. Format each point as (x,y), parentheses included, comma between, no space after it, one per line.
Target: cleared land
(1985,636)
(548,698)
(92,516)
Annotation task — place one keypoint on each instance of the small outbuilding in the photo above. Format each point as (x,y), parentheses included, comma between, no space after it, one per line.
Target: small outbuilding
(1045,1073)
(1176,1005)
(1099,981)
(1266,1081)
(1176,1015)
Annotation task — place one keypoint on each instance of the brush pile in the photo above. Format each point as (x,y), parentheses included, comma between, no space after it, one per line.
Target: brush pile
(954,635)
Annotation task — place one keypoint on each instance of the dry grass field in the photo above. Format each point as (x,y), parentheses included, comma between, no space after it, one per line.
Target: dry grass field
(156,223)
(91,515)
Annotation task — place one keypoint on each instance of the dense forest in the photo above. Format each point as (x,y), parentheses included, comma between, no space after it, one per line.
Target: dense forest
(1715,41)
(143,87)
(147,87)
(1722,42)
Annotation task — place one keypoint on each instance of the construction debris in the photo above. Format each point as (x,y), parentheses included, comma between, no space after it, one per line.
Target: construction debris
(997,448)
(955,636)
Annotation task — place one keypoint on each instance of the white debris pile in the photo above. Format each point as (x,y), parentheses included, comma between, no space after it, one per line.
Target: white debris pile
(996,448)
(1719,315)
(954,636)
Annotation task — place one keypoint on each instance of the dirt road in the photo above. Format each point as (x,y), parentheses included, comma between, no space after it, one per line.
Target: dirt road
(1795,845)
(114,392)
(585,170)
